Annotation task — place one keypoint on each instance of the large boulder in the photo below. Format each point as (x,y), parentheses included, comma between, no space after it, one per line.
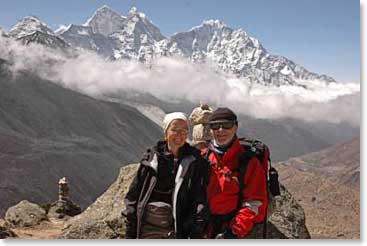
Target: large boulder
(288,218)
(24,214)
(103,218)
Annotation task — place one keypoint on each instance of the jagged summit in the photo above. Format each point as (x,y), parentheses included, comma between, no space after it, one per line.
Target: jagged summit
(137,38)
(139,23)
(29,25)
(134,36)
(105,21)
(103,11)
(211,22)
(105,8)
(134,11)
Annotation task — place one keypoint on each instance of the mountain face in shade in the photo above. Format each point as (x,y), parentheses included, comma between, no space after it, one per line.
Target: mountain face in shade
(135,37)
(51,41)
(48,132)
(83,37)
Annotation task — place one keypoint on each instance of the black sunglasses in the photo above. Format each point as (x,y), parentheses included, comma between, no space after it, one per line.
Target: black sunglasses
(224,125)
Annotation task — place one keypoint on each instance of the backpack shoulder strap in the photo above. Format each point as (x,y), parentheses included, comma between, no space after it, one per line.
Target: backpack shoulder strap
(249,152)
(243,161)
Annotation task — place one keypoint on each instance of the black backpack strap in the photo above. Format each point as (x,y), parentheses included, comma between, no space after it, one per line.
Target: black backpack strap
(242,166)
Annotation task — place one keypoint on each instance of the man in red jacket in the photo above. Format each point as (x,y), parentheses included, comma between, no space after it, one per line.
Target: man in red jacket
(233,215)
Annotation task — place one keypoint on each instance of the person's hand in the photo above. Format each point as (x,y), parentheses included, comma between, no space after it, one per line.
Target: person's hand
(171,235)
(227,234)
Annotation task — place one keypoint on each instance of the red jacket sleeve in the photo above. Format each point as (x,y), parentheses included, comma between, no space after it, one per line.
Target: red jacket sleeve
(254,200)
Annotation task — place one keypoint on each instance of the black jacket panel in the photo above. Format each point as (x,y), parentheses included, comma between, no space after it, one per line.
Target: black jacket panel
(192,192)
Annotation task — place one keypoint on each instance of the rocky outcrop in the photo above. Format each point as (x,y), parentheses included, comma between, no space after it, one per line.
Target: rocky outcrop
(62,209)
(103,218)
(25,214)
(5,230)
(288,218)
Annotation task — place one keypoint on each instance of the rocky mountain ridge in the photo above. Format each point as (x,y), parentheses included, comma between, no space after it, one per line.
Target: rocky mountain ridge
(326,183)
(340,163)
(135,37)
(47,131)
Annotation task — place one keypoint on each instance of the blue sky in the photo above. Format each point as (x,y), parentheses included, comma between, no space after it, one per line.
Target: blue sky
(321,35)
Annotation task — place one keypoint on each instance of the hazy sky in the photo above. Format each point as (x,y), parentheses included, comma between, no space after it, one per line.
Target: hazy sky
(321,35)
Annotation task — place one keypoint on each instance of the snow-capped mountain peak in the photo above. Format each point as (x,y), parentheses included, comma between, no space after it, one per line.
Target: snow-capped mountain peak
(29,25)
(134,11)
(215,23)
(135,37)
(139,23)
(105,21)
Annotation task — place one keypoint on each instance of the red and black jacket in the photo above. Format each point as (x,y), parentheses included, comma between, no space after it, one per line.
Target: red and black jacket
(223,190)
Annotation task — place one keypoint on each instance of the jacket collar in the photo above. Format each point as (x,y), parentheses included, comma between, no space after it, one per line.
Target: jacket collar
(230,155)
(162,149)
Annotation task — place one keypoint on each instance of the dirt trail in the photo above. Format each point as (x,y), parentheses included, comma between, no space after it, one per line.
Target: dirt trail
(46,230)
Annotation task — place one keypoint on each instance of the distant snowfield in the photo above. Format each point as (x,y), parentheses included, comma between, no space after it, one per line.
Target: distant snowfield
(178,78)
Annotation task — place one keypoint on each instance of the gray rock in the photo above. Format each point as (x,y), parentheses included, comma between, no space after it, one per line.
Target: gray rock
(25,213)
(103,218)
(5,230)
(288,218)
(64,208)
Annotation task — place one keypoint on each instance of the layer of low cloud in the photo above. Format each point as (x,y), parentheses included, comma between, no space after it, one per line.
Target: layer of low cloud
(178,78)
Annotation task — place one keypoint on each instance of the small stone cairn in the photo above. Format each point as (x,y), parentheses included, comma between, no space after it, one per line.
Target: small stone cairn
(63,207)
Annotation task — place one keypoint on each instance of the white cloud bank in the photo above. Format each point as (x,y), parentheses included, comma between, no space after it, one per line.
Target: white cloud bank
(175,77)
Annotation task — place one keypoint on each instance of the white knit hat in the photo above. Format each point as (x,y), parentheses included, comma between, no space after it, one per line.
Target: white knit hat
(171,117)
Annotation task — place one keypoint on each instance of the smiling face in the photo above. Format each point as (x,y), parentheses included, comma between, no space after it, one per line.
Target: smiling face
(223,135)
(176,135)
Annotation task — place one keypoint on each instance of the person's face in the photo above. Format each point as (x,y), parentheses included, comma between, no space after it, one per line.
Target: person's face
(223,132)
(176,134)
